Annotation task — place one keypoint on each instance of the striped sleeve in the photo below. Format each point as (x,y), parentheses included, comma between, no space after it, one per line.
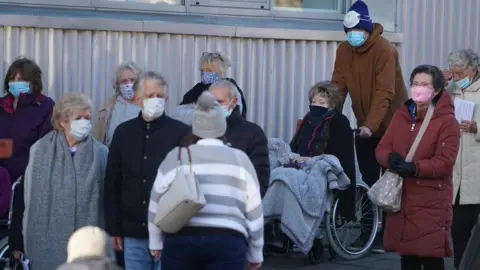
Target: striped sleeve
(254,214)
(160,186)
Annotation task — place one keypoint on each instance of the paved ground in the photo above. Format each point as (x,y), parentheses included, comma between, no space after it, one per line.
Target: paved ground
(372,262)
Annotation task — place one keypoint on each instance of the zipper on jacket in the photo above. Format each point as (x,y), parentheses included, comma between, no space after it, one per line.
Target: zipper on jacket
(413,127)
(443,146)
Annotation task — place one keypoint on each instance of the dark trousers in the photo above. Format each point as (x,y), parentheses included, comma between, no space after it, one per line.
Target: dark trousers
(465,217)
(416,263)
(185,252)
(370,169)
(120,258)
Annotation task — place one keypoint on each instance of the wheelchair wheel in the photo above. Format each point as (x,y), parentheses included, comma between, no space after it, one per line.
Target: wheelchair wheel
(353,240)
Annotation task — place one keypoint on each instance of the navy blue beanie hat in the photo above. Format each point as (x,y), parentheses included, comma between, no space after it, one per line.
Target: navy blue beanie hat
(358,17)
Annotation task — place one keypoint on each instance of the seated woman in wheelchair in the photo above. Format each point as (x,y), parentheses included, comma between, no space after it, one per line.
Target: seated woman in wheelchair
(325,130)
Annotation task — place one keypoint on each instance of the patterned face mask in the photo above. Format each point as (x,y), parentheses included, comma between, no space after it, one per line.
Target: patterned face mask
(209,77)
(127,91)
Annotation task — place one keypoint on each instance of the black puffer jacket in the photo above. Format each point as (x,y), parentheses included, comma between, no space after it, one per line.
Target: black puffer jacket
(192,95)
(251,139)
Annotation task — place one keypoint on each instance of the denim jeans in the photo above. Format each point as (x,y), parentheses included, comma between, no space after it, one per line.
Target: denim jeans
(137,255)
(223,252)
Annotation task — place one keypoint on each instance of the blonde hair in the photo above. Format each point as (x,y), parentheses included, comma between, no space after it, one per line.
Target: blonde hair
(89,241)
(70,105)
(130,65)
(216,58)
(149,75)
(326,90)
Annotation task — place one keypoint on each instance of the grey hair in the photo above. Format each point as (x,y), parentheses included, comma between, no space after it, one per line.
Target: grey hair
(215,58)
(463,58)
(130,65)
(69,106)
(139,84)
(232,89)
(326,90)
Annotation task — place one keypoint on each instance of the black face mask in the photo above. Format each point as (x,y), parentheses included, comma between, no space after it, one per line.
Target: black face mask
(317,111)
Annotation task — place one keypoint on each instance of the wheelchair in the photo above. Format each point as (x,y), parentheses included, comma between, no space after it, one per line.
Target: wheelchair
(336,233)
(4,225)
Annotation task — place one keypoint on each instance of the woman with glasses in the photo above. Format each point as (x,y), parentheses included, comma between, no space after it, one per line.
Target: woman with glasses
(213,66)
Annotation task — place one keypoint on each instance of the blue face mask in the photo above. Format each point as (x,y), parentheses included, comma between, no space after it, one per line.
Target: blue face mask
(356,38)
(17,88)
(209,77)
(464,83)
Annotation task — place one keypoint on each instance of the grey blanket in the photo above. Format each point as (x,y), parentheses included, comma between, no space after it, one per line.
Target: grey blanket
(300,198)
(62,194)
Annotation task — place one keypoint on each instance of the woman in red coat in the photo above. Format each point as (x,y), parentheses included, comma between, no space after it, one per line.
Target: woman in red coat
(420,231)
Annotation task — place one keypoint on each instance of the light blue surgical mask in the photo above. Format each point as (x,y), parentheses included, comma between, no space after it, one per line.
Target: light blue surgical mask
(209,77)
(17,88)
(356,38)
(463,83)
(226,111)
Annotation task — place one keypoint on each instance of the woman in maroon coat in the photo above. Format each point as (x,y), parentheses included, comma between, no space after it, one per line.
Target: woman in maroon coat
(420,231)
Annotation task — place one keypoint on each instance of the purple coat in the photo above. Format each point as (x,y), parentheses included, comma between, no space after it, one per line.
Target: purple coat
(29,122)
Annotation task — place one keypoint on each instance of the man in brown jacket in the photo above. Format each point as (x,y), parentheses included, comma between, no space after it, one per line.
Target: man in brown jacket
(367,67)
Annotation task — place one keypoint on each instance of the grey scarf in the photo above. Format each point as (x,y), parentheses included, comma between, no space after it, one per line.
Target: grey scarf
(64,194)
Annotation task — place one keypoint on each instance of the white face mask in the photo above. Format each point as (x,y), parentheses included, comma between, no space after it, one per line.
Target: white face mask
(79,129)
(153,107)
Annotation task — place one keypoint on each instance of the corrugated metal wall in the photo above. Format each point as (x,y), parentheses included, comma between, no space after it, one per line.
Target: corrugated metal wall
(274,74)
(434,28)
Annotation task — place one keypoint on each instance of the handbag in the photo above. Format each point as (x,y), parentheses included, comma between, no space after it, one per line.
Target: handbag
(6,148)
(386,193)
(182,200)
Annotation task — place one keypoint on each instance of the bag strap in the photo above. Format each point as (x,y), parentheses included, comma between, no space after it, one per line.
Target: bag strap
(179,159)
(420,133)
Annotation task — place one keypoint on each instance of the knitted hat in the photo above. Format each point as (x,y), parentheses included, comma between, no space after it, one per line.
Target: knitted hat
(89,241)
(358,17)
(208,118)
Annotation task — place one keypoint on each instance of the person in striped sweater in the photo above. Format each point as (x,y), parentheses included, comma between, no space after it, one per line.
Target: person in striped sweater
(228,232)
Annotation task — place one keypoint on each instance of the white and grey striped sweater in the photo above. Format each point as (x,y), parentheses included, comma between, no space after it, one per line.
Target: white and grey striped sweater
(227,178)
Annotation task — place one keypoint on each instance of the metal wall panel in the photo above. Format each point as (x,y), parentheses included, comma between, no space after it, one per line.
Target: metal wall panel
(274,74)
(434,28)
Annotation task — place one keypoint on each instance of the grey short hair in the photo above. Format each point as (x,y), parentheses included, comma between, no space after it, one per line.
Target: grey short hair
(215,58)
(149,75)
(463,58)
(326,90)
(232,89)
(130,65)
(69,106)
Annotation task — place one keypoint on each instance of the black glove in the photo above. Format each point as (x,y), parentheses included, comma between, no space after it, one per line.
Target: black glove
(407,169)
(394,159)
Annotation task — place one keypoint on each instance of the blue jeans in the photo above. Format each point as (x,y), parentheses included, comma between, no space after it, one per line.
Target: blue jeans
(222,252)
(137,255)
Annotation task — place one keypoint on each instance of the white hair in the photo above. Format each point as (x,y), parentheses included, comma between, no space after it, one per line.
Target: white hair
(69,106)
(232,89)
(149,75)
(463,58)
(130,65)
(216,58)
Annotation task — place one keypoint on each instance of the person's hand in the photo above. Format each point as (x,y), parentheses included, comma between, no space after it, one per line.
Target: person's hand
(253,266)
(300,159)
(117,243)
(364,132)
(17,254)
(447,74)
(407,169)
(156,254)
(468,126)
(394,159)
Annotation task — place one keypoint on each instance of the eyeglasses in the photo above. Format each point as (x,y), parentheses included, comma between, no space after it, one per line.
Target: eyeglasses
(213,55)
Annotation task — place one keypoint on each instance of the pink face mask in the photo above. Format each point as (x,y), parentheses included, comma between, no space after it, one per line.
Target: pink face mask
(422,94)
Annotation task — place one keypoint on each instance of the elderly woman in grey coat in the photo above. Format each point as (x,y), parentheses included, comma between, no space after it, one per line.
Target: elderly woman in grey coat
(464,84)
(120,107)
(62,184)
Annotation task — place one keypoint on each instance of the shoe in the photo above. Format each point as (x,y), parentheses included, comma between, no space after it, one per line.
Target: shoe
(377,245)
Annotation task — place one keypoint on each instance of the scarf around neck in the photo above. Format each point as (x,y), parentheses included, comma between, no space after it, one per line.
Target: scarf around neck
(64,194)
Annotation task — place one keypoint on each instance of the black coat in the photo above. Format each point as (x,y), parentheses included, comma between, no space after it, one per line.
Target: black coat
(340,144)
(136,151)
(192,95)
(251,139)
